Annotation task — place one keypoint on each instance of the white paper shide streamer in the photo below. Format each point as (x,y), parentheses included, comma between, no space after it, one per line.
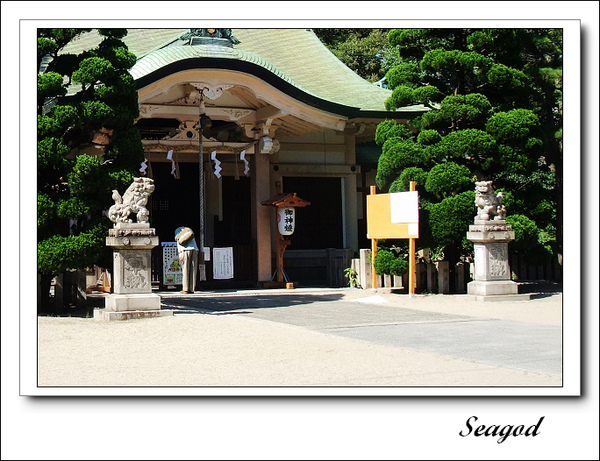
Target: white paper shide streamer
(213,156)
(174,165)
(144,166)
(246,164)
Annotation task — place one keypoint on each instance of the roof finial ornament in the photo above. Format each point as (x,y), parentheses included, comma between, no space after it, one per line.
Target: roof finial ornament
(221,37)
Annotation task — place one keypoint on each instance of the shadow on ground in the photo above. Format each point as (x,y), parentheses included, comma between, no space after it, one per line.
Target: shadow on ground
(241,304)
(540,288)
(232,302)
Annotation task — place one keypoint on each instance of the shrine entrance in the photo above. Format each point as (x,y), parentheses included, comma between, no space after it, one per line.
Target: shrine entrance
(232,228)
(176,203)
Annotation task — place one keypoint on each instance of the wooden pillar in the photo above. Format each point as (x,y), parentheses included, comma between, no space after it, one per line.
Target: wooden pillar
(412,268)
(281,246)
(373,252)
(261,215)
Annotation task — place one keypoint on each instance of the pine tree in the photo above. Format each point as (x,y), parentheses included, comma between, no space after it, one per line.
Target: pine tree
(495,113)
(87,146)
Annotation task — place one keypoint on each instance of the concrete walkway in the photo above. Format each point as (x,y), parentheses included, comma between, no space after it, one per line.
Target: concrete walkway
(311,338)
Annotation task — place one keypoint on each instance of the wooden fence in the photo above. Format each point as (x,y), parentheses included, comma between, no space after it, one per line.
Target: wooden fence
(439,277)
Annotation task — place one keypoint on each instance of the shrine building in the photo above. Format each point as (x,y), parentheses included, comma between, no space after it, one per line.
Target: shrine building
(231,118)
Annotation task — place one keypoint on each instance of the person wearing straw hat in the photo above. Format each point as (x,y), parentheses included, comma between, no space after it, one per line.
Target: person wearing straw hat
(188,255)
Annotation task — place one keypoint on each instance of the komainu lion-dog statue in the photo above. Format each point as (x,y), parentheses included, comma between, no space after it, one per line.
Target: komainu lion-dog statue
(134,200)
(489,204)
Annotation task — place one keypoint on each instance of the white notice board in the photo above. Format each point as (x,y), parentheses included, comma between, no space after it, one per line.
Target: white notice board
(223,263)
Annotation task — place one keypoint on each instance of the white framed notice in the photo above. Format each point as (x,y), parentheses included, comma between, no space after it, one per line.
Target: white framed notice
(223,263)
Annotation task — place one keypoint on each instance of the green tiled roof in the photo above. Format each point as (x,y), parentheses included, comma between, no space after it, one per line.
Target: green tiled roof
(296,56)
(160,58)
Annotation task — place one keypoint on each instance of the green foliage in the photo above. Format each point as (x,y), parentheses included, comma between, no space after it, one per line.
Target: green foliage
(47,126)
(387,262)
(526,232)
(365,51)
(87,176)
(51,152)
(499,117)
(127,148)
(46,210)
(512,126)
(50,84)
(113,33)
(93,70)
(428,137)
(59,253)
(120,179)
(469,144)
(72,208)
(448,179)
(426,95)
(464,109)
(73,190)
(401,96)
(449,219)
(506,78)
(397,154)
(352,277)
(390,129)
(406,73)
(402,184)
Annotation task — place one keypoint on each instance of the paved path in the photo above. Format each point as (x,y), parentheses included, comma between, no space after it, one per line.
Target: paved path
(385,319)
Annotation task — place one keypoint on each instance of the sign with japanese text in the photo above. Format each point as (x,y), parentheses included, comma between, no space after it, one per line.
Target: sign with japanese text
(223,263)
(286,217)
(172,270)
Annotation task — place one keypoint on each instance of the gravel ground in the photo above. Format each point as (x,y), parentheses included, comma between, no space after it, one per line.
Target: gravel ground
(213,349)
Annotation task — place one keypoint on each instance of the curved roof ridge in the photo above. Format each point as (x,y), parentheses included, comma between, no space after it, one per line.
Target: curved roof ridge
(171,54)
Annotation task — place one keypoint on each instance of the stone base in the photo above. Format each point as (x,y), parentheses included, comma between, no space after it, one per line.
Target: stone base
(501,290)
(496,298)
(106,315)
(132,302)
(486,288)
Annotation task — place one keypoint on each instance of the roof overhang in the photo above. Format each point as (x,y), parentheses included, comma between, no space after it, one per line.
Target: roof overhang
(286,99)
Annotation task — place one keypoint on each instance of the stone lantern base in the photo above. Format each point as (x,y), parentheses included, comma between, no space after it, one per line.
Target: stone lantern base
(132,295)
(492,274)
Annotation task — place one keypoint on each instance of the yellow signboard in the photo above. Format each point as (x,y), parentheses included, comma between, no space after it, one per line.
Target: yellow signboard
(393,216)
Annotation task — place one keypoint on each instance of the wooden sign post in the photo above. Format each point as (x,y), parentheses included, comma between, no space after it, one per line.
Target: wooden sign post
(412,267)
(394,216)
(373,248)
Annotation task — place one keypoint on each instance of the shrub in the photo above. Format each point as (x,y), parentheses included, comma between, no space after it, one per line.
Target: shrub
(447,179)
(386,262)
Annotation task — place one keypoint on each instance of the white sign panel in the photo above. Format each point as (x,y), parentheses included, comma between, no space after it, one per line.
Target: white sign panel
(404,207)
(223,263)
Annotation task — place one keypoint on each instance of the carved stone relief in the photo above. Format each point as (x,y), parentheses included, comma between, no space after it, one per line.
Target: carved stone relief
(498,259)
(135,271)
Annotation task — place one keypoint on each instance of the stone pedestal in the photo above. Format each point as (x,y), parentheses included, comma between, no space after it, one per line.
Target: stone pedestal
(491,279)
(132,295)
